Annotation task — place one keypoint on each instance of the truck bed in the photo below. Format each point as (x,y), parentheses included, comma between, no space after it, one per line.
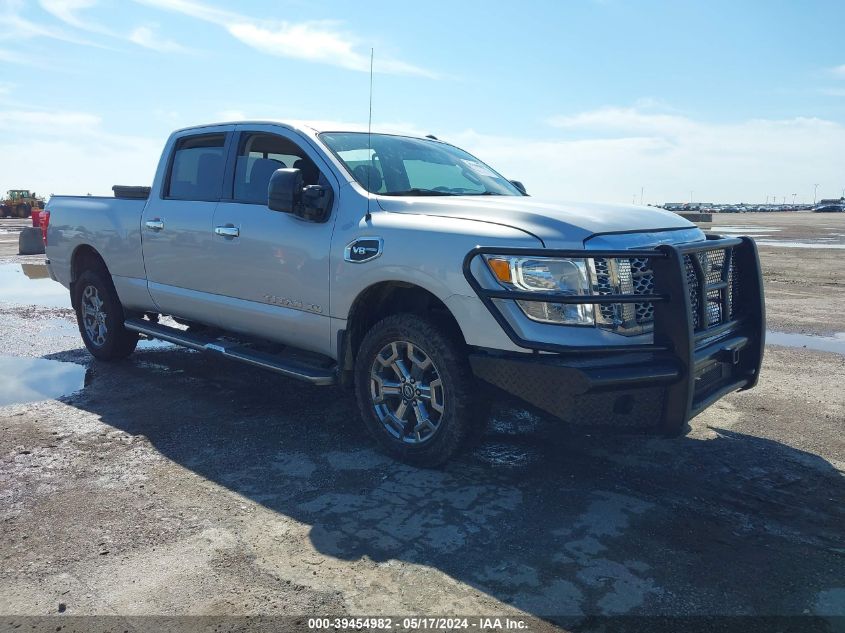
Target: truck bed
(110,225)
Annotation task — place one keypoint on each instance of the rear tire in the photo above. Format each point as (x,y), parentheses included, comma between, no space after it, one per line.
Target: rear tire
(415,389)
(99,315)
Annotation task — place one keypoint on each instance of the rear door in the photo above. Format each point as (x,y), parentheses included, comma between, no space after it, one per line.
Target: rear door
(176,226)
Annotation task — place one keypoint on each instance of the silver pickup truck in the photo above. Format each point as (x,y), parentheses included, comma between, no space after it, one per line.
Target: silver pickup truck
(410,271)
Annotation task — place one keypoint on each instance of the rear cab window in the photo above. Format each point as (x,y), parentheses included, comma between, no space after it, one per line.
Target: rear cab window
(196,168)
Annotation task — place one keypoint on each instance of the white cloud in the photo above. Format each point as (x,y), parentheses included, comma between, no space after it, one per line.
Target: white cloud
(720,162)
(630,120)
(232,115)
(48,121)
(12,57)
(14,28)
(838,71)
(67,10)
(193,9)
(70,12)
(311,41)
(83,157)
(146,37)
(619,150)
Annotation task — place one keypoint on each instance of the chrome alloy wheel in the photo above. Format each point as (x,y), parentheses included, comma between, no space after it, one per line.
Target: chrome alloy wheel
(93,316)
(407,393)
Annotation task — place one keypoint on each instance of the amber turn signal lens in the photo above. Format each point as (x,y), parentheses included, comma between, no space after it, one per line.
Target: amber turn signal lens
(501,268)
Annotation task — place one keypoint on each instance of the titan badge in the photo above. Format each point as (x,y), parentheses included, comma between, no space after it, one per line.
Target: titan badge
(296,304)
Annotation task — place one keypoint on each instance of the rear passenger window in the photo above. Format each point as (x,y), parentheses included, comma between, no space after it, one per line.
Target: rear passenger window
(196,172)
(259,155)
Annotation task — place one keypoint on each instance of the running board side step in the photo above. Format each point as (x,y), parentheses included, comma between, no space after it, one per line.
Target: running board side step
(234,351)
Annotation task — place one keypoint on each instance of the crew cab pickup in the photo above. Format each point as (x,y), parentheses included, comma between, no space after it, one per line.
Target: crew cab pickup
(410,271)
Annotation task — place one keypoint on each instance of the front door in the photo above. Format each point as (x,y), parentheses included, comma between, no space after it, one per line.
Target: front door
(275,264)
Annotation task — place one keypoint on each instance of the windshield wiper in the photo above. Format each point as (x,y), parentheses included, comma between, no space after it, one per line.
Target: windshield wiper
(418,192)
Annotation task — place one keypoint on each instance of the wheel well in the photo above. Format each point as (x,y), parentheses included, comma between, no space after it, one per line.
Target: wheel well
(84,258)
(384,299)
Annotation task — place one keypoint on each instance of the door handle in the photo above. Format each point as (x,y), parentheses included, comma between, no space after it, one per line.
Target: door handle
(155,225)
(227,231)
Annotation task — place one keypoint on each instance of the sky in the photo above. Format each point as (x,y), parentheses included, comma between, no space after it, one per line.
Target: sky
(608,100)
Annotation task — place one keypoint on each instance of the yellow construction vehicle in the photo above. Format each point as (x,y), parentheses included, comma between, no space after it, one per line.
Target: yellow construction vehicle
(19,203)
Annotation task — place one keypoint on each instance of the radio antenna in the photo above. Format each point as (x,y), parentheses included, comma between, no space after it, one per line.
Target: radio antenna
(370,137)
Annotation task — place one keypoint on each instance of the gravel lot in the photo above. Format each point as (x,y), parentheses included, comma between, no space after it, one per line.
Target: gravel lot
(172,484)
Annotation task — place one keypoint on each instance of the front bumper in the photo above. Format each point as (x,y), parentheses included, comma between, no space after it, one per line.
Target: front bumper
(691,363)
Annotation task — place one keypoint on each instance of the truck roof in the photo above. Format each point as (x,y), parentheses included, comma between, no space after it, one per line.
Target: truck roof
(310,127)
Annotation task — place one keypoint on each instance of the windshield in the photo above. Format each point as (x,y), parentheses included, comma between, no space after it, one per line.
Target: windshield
(403,166)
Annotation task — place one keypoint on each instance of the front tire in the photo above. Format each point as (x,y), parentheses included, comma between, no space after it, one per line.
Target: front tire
(99,315)
(415,389)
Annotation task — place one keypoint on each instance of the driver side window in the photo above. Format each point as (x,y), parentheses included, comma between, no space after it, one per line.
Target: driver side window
(259,155)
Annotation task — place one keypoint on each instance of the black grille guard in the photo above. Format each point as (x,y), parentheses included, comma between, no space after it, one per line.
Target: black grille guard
(736,343)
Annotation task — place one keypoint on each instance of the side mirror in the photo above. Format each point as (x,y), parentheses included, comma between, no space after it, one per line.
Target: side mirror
(519,186)
(284,192)
(287,193)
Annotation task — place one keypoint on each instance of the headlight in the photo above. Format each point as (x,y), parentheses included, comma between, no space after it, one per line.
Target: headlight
(548,275)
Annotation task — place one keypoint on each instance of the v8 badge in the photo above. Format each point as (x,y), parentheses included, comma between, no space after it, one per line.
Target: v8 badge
(363,249)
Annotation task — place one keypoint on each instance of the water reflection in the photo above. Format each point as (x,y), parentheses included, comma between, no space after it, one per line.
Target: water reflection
(763,235)
(835,343)
(756,232)
(790,244)
(34,379)
(30,284)
(35,271)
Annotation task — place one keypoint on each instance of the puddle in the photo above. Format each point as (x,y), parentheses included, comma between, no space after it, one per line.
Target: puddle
(153,344)
(789,244)
(510,421)
(30,284)
(506,455)
(747,230)
(835,343)
(763,236)
(34,379)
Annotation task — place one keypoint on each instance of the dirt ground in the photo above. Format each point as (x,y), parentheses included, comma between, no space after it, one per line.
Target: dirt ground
(802,284)
(171,484)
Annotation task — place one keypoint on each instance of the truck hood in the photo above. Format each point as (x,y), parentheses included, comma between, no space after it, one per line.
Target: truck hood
(557,224)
